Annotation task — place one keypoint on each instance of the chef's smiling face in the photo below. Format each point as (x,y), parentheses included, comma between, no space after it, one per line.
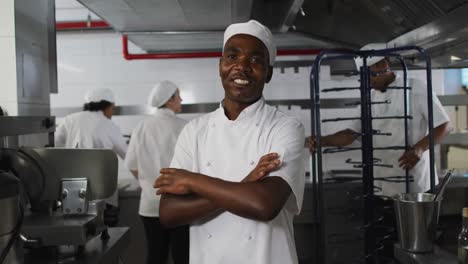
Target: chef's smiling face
(244,68)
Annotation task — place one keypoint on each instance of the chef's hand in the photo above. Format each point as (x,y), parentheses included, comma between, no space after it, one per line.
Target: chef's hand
(267,163)
(173,181)
(311,144)
(410,158)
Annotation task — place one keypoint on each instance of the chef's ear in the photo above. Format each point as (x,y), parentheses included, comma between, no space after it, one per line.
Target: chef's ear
(269,74)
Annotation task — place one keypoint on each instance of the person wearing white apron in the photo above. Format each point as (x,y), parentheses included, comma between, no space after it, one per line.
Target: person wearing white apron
(93,128)
(237,175)
(416,159)
(151,148)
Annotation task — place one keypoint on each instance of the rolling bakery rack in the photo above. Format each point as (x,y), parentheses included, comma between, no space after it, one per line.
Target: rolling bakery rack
(368,231)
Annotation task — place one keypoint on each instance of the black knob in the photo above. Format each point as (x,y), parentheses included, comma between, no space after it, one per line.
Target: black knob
(48,123)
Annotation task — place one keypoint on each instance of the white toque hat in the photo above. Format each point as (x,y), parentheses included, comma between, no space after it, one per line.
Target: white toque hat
(370,60)
(253,28)
(98,95)
(161,93)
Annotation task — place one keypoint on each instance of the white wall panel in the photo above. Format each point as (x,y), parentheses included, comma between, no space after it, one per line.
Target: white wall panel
(8,69)
(8,94)
(7,18)
(92,60)
(11,107)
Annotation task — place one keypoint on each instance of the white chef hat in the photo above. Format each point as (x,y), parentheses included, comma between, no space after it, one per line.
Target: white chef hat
(98,95)
(370,60)
(253,28)
(161,93)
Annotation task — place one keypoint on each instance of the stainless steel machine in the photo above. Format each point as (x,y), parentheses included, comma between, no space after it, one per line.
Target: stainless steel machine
(9,222)
(51,202)
(61,203)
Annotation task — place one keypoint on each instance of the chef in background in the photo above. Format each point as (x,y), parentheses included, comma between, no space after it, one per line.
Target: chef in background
(390,180)
(151,149)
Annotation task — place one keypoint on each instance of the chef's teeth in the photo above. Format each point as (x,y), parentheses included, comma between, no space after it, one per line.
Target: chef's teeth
(240,81)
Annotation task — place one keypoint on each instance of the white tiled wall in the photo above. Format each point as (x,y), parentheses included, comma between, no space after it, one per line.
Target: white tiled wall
(90,60)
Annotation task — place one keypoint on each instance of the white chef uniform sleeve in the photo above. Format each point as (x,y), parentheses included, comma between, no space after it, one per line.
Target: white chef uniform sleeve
(355,125)
(119,145)
(60,136)
(288,142)
(131,159)
(183,152)
(440,116)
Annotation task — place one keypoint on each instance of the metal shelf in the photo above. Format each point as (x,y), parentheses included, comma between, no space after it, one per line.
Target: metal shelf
(327,103)
(125,110)
(25,125)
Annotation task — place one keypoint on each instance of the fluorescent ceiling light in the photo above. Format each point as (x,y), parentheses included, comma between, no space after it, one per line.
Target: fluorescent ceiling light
(454,58)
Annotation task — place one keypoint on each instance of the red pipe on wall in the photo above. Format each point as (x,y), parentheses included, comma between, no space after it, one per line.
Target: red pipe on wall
(83,25)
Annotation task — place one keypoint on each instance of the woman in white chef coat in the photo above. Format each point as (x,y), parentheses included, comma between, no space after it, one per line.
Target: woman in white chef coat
(92,128)
(151,148)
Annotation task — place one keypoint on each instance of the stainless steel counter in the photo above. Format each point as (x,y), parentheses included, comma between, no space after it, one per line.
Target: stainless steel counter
(439,256)
(456,139)
(96,251)
(446,100)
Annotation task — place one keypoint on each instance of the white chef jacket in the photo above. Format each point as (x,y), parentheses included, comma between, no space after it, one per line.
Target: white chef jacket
(417,130)
(229,149)
(91,130)
(151,149)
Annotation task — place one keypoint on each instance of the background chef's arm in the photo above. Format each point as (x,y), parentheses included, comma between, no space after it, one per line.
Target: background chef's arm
(119,144)
(131,157)
(439,115)
(60,136)
(120,148)
(439,133)
(339,139)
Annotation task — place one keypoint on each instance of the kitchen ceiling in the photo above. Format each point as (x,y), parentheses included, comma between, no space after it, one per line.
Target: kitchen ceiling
(189,15)
(186,25)
(439,26)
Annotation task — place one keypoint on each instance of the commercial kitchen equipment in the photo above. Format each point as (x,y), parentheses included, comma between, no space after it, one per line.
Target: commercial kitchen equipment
(54,200)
